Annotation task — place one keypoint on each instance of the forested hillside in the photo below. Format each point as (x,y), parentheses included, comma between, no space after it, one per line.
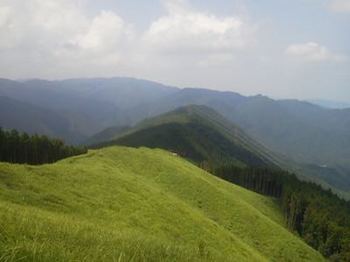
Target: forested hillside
(23,116)
(197,133)
(320,217)
(21,148)
(311,136)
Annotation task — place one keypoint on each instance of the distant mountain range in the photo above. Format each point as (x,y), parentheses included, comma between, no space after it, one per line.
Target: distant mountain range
(331,104)
(87,105)
(34,119)
(315,139)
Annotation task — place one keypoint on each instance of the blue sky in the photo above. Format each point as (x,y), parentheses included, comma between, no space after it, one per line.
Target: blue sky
(285,49)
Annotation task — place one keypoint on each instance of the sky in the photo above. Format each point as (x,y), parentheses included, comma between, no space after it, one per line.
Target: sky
(283,49)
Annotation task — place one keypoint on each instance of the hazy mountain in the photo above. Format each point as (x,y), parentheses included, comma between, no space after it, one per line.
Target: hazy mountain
(88,105)
(331,104)
(32,119)
(73,93)
(121,92)
(220,101)
(301,131)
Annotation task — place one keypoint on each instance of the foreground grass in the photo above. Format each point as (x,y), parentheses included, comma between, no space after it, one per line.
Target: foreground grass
(123,204)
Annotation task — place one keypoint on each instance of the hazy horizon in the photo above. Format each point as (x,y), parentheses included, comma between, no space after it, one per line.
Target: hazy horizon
(281,49)
(328,103)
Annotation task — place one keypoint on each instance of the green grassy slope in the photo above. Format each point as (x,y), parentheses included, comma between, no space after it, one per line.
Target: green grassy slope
(127,204)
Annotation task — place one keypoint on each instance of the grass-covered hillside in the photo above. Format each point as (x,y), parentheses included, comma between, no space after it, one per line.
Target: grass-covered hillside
(126,204)
(197,133)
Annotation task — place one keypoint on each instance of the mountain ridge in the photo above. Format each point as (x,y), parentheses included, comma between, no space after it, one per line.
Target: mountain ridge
(195,128)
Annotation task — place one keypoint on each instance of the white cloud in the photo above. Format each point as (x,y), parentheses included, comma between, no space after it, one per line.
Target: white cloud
(60,38)
(340,6)
(5,13)
(312,52)
(59,33)
(185,31)
(105,32)
(38,23)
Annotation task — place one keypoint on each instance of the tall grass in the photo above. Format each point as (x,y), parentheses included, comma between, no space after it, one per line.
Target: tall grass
(123,204)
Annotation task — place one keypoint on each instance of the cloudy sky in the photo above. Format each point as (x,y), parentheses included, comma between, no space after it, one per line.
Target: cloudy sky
(280,48)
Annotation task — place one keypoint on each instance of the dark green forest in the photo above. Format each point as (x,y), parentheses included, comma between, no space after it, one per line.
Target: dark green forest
(320,217)
(197,142)
(16,147)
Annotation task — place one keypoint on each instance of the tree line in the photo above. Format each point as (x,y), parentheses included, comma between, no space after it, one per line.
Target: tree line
(320,217)
(16,147)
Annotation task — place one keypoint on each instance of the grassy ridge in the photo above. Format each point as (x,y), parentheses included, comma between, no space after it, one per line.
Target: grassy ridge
(103,206)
